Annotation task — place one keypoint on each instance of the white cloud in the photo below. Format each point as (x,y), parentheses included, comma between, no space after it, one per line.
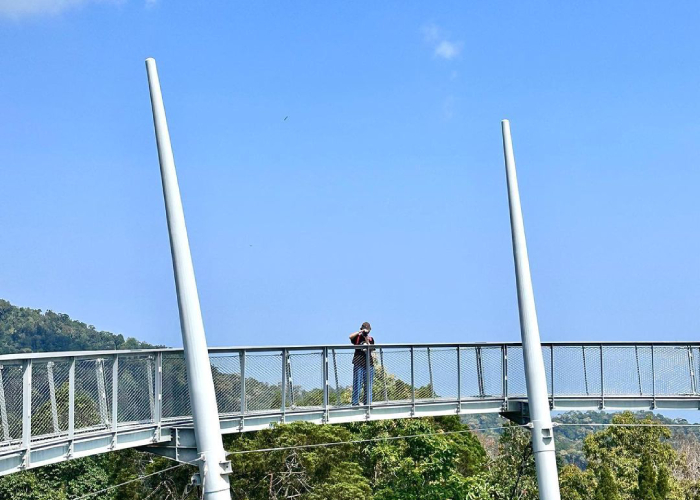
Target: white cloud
(23,8)
(438,39)
(448,50)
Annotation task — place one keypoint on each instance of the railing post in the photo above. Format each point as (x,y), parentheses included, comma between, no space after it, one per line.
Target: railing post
(585,368)
(115,399)
(535,379)
(284,382)
(26,411)
(459,382)
(653,380)
(213,464)
(602,380)
(71,407)
(413,386)
(324,355)
(244,403)
(368,377)
(504,354)
(551,371)
(158,417)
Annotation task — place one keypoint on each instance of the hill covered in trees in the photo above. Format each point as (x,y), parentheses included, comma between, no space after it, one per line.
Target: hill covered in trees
(30,330)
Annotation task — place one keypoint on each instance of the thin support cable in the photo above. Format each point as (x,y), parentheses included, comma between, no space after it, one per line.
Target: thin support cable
(639,373)
(611,424)
(151,390)
(140,478)
(585,371)
(370,440)
(52,396)
(337,385)
(102,393)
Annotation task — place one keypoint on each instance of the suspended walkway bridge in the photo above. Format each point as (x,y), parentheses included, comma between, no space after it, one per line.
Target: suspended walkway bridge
(59,406)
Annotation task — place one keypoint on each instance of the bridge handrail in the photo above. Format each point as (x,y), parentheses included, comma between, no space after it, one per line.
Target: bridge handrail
(55,355)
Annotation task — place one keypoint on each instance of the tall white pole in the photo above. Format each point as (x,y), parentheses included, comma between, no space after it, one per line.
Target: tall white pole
(538,398)
(213,466)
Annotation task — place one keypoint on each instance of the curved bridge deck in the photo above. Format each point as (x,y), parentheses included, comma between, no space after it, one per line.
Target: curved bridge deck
(58,406)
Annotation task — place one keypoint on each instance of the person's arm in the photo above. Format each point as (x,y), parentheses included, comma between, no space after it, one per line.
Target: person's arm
(353,336)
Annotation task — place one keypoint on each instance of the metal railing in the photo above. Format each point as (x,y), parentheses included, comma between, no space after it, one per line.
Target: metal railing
(50,397)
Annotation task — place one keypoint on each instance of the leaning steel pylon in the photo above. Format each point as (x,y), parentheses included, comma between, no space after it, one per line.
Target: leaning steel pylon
(535,380)
(213,466)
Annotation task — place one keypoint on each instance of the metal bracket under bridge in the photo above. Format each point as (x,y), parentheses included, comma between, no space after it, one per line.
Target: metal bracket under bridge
(64,405)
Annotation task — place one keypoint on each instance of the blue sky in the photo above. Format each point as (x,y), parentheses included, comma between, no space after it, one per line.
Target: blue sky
(382,196)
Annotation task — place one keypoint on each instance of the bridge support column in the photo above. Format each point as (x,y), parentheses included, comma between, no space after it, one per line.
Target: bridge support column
(213,465)
(538,399)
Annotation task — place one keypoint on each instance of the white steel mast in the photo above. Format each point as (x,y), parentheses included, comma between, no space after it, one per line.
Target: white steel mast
(213,466)
(537,396)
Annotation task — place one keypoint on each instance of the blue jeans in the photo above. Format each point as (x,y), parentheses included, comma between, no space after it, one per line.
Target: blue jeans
(359,380)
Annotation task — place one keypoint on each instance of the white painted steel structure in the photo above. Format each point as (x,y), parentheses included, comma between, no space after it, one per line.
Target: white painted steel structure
(540,417)
(213,466)
(109,400)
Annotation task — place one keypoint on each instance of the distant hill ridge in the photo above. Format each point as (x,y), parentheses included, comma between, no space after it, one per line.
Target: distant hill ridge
(23,329)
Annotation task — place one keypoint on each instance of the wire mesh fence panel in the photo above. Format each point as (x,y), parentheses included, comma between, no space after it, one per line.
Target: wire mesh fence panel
(304,379)
(10,404)
(626,370)
(226,371)
(516,372)
(135,397)
(263,381)
(672,370)
(470,379)
(49,399)
(492,370)
(591,359)
(176,394)
(570,377)
(392,375)
(423,374)
(435,372)
(340,373)
(93,393)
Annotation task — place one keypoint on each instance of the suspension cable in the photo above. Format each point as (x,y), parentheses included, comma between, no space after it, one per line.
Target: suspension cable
(140,478)
(370,440)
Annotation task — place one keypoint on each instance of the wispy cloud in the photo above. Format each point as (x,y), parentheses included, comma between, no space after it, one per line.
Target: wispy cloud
(437,38)
(24,8)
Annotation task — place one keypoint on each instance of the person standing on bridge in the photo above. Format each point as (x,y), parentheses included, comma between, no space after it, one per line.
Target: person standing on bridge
(359,365)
